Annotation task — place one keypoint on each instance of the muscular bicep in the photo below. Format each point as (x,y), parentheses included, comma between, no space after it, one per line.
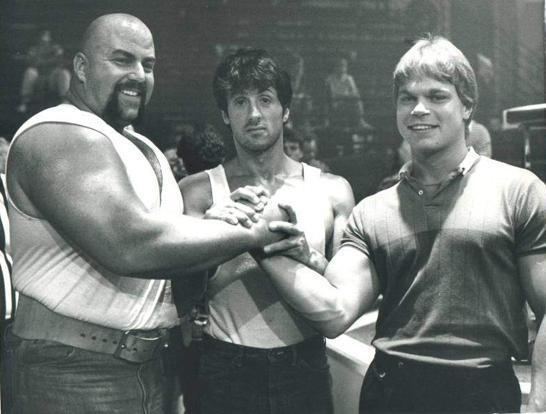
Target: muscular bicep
(532,270)
(197,194)
(342,201)
(353,275)
(74,178)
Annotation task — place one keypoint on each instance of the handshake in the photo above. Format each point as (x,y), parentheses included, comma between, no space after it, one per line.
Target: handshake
(274,221)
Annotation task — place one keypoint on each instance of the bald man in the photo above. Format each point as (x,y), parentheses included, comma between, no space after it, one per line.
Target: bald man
(97,231)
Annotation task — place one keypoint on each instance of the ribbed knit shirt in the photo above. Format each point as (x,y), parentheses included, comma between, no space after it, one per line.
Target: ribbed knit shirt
(55,272)
(448,262)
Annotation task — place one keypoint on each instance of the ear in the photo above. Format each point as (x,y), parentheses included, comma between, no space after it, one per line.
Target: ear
(80,65)
(286,115)
(467,112)
(225,117)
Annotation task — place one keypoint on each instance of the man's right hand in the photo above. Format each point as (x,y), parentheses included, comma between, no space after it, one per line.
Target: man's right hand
(244,206)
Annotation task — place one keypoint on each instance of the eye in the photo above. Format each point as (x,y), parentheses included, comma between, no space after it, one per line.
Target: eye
(405,98)
(439,97)
(266,99)
(239,101)
(123,61)
(148,67)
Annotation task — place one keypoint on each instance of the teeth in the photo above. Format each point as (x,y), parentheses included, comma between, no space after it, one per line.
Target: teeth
(420,127)
(130,93)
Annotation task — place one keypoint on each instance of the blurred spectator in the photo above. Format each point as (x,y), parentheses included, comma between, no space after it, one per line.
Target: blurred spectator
(4,146)
(310,154)
(403,156)
(7,293)
(293,144)
(45,80)
(345,104)
(200,147)
(176,163)
(479,138)
(302,104)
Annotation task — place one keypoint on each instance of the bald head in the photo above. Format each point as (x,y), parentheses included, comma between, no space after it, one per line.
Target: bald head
(102,28)
(114,69)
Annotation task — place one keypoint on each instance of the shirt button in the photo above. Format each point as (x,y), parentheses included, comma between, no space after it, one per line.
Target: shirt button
(420,192)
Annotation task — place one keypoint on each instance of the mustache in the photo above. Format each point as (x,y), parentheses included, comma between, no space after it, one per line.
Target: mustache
(132,84)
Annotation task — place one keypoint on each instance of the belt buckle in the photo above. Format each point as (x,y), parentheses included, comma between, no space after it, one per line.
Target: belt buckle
(135,348)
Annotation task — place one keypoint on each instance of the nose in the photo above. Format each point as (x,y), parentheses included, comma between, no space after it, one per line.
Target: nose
(254,111)
(420,109)
(137,73)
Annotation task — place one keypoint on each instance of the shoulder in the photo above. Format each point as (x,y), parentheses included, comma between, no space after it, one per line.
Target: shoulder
(505,174)
(60,140)
(337,189)
(196,192)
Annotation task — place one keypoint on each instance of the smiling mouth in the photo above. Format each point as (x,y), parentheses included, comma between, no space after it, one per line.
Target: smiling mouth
(130,92)
(421,127)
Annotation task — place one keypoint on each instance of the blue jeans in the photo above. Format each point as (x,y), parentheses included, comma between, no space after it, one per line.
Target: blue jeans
(236,379)
(49,377)
(395,385)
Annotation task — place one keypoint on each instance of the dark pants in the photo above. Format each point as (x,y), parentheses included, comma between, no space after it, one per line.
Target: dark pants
(51,378)
(182,363)
(6,363)
(394,385)
(236,379)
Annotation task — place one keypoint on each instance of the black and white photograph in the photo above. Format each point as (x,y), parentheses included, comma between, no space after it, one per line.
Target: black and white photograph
(272,206)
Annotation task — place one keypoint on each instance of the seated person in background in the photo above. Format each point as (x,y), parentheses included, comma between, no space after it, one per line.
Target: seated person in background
(293,144)
(479,138)
(45,80)
(310,151)
(344,96)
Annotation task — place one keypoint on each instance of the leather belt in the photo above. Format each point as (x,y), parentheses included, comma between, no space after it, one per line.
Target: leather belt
(35,321)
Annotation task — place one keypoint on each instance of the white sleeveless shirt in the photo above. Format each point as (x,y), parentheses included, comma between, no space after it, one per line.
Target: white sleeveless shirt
(56,273)
(244,305)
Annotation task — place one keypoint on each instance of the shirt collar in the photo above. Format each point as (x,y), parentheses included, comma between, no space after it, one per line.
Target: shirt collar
(466,165)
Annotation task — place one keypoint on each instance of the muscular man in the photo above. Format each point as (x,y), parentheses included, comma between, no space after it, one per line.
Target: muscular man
(258,355)
(96,230)
(454,248)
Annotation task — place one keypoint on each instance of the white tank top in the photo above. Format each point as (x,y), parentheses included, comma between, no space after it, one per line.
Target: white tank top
(245,307)
(62,277)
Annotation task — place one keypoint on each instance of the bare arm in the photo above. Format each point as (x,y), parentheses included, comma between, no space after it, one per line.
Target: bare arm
(341,200)
(349,286)
(74,178)
(331,303)
(533,275)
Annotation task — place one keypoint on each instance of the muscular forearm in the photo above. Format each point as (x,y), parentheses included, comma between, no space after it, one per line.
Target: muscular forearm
(317,262)
(537,398)
(160,247)
(309,293)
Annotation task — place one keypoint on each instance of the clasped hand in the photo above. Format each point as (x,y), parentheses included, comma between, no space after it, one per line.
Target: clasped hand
(246,205)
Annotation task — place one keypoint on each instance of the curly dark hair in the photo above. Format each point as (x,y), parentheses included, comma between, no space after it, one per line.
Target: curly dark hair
(201,147)
(247,69)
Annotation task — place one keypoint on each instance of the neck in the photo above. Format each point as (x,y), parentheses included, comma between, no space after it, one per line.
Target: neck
(430,169)
(264,167)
